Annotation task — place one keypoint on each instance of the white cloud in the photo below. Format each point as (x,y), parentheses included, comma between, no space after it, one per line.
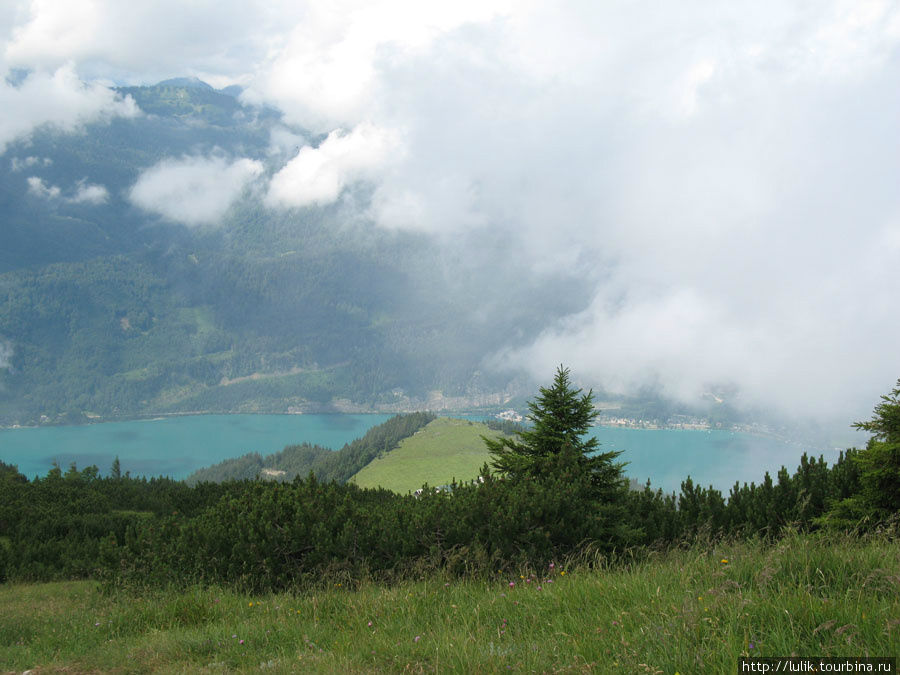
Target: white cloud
(146,40)
(720,176)
(84,193)
(318,175)
(38,188)
(90,193)
(58,99)
(283,141)
(324,71)
(16,164)
(194,190)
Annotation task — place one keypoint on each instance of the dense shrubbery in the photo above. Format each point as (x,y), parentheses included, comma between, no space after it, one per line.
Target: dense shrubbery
(262,534)
(268,535)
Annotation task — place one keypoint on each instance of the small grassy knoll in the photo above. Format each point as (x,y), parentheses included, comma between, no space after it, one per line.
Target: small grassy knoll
(445,449)
(692,610)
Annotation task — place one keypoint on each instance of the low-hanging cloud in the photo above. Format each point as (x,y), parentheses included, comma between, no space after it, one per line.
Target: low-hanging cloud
(38,188)
(21,164)
(58,99)
(317,175)
(194,190)
(90,193)
(720,178)
(83,193)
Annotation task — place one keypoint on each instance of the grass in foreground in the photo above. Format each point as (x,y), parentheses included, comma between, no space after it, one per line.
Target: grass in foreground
(444,449)
(687,611)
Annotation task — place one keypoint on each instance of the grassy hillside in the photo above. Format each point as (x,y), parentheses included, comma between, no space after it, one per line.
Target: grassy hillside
(327,465)
(445,449)
(687,611)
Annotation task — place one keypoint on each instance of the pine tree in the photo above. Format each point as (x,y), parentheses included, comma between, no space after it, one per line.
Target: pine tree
(561,417)
(880,462)
(866,483)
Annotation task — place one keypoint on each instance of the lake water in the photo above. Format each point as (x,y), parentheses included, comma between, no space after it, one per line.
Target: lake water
(714,457)
(176,446)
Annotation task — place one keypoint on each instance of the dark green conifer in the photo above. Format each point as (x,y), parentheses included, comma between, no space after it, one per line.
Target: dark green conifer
(561,417)
(880,462)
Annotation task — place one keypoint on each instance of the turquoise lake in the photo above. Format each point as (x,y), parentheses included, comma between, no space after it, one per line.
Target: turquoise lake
(714,457)
(176,446)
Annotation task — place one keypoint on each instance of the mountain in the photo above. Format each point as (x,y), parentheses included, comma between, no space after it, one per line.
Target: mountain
(111,309)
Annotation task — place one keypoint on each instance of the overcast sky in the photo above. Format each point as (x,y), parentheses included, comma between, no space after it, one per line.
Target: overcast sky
(724,177)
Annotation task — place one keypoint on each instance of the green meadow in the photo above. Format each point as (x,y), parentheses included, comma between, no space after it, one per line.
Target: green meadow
(691,610)
(445,449)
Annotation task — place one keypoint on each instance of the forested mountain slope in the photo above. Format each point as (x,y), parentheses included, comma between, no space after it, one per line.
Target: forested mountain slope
(109,308)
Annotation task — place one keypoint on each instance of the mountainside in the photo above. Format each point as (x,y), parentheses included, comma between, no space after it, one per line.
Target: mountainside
(111,306)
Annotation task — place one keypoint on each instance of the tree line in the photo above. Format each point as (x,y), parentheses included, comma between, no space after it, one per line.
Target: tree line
(548,494)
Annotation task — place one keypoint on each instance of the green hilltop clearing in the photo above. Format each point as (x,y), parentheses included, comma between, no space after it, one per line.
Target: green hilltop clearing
(443,450)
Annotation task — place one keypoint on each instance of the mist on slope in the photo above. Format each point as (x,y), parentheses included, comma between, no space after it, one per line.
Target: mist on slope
(684,200)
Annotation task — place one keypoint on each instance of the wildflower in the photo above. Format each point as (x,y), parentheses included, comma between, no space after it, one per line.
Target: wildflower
(724,561)
(97,624)
(249,604)
(751,645)
(240,642)
(563,573)
(512,584)
(417,638)
(234,636)
(370,624)
(539,588)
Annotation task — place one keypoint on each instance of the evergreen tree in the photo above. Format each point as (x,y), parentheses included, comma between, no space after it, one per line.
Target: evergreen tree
(115,471)
(866,483)
(561,417)
(879,463)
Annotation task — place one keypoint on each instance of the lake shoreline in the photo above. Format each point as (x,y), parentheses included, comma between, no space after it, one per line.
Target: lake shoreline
(178,444)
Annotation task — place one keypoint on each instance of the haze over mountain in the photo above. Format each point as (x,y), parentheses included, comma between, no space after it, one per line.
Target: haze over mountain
(367,201)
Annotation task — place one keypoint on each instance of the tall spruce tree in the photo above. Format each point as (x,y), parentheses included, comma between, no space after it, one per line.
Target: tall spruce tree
(872,474)
(880,462)
(561,417)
